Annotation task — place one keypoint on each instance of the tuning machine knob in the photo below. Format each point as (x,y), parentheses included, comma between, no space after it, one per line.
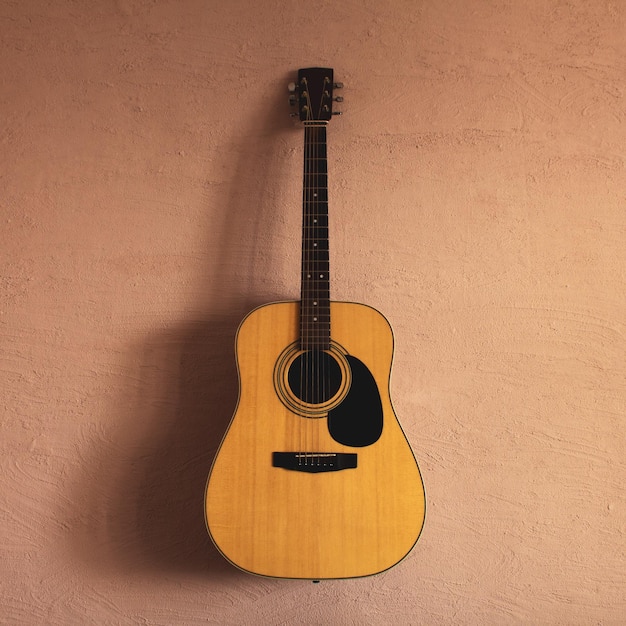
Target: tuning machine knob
(337,98)
(293,98)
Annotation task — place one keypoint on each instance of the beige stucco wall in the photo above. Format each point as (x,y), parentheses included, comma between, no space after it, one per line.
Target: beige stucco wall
(150,196)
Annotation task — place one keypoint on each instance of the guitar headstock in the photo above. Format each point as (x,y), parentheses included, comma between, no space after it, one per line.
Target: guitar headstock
(313,94)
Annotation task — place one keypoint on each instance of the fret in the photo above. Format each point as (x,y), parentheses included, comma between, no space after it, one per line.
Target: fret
(315,182)
(312,245)
(313,332)
(315,250)
(316,212)
(315,224)
(315,272)
(315,149)
(316,238)
(313,235)
(317,332)
(312,265)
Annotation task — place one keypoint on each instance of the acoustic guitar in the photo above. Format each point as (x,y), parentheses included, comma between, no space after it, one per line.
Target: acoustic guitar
(314,478)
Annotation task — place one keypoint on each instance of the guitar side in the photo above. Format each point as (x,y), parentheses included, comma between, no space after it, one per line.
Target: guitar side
(282,523)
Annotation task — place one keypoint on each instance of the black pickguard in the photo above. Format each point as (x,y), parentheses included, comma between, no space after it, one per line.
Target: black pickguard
(358,420)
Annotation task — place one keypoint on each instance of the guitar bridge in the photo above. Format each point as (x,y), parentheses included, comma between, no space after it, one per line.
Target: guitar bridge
(314,462)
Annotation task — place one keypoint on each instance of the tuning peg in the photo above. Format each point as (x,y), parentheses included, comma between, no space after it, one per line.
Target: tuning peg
(338,99)
(338,85)
(337,112)
(291,87)
(292,100)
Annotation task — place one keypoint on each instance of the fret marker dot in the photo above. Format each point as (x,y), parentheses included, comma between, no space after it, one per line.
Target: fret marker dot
(321,275)
(315,319)
(315,221)
(315,245)
(308,275)
(315,304)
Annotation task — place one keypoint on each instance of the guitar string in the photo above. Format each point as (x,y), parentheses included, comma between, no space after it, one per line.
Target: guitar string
(317,254)
(327,389)
(312,294)
(323,257)
(315,356)
(318,263)
(303,303)
(309,355)
(314,375)
(306,336)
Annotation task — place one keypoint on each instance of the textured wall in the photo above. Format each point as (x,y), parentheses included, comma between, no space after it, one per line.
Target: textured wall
(150,195)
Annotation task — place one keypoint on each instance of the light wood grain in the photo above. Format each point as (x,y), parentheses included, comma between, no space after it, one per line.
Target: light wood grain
(283,523)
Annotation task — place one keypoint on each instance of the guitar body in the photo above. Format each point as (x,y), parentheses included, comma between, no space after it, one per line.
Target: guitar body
(314,478)
(314,487)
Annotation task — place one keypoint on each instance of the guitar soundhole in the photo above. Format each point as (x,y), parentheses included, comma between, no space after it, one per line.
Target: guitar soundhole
(314,377)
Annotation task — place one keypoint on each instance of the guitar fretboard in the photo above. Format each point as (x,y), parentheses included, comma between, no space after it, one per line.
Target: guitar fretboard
(315,291)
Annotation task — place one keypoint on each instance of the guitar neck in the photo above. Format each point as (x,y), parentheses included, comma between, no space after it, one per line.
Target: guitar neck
(315,281)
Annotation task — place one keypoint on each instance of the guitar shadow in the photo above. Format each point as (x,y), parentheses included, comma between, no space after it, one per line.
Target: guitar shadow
(187,395)
(162,503)
(144,483)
